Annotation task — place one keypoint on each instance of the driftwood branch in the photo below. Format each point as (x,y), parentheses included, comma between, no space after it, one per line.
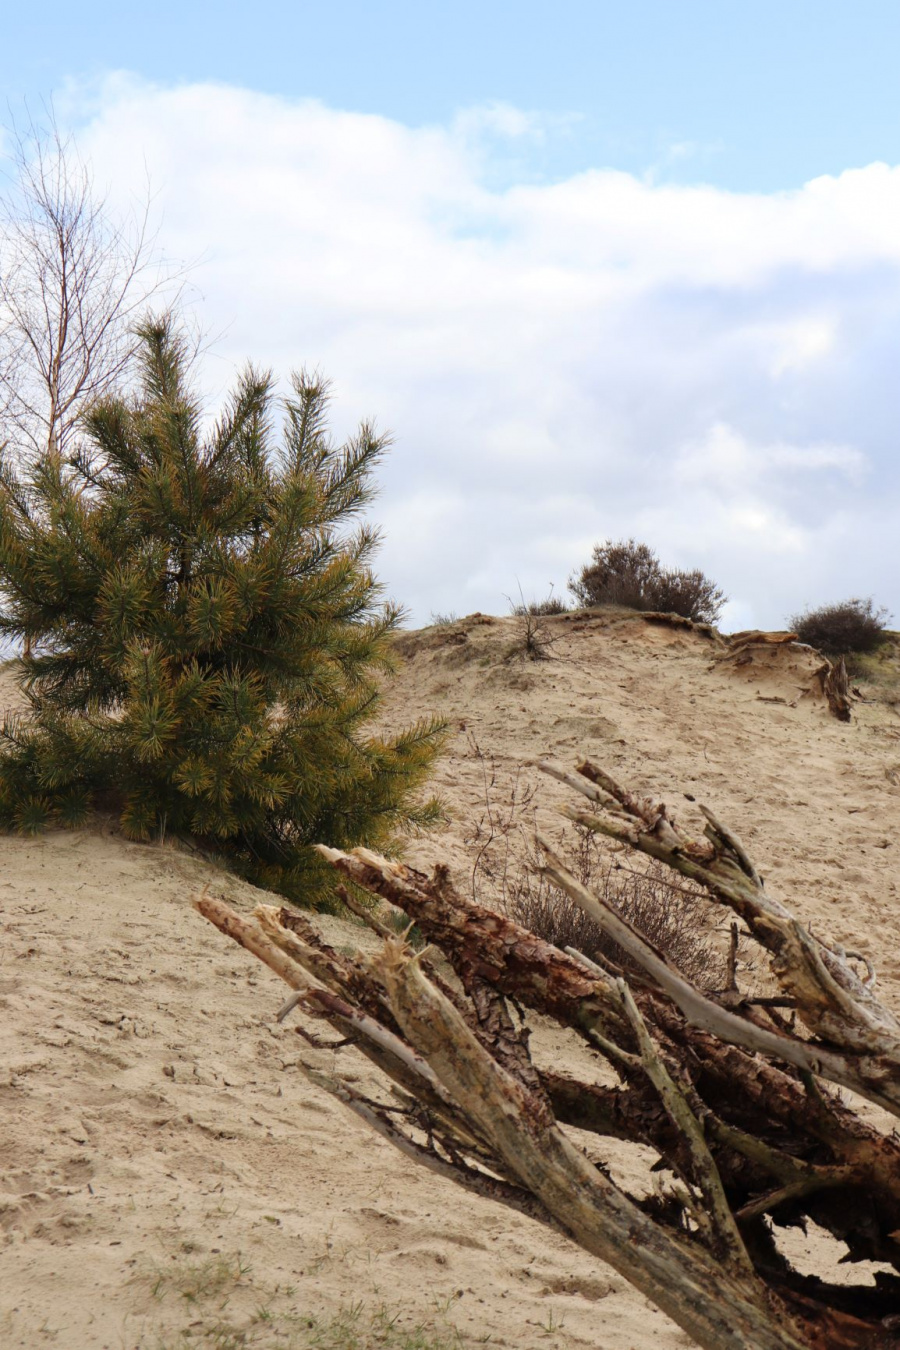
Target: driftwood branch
(854,1039)
(679,1276)
(702,1011)
(715,1212)
(735,1104)
(836,688)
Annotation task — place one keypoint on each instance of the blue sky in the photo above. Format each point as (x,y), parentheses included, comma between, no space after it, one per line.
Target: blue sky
(603,269)
(757,96)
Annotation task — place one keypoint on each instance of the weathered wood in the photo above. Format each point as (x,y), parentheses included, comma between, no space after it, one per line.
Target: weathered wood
(836,688)
(737,1083)
(679,1276)
(734,1101)
(703,1011)
(714,1213)
(387,1051)
(762,636)
(856,1038)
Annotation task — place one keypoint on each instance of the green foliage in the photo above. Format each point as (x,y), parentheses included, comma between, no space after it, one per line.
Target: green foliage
(203,634)
(630,574)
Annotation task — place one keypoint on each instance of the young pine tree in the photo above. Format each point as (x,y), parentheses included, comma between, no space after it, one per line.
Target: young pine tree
(203,635)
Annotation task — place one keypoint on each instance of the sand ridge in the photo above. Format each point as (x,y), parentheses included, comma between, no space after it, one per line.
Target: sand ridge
(166,1171)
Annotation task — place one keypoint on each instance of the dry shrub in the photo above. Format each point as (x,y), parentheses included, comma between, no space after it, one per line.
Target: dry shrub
(844,629)
(630,574)
(534,640)
(550,605)
(673,917)
(507,871)
(690,594)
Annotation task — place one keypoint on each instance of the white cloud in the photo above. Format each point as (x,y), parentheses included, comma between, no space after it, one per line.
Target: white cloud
(725,461)
(502,120)
(709,370)
(801,342)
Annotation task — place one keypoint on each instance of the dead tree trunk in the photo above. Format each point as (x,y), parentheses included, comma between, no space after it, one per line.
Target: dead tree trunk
(836,688)
(735,1101)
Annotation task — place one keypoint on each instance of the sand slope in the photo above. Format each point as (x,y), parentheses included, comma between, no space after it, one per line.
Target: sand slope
(814,799)
(168,1178)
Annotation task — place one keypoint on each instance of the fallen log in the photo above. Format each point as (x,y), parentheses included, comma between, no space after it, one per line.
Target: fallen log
(735,1100)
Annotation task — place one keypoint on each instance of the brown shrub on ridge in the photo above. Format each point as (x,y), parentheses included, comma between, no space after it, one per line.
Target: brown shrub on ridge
(553,604)
(842,629)
(630,574)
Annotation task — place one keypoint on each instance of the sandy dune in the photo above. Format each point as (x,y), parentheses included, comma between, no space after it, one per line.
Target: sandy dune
(169,1179)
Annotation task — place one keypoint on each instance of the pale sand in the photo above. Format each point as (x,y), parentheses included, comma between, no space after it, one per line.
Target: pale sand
(153,1126)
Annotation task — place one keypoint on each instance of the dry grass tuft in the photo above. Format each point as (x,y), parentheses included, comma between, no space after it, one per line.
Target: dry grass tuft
(508,872)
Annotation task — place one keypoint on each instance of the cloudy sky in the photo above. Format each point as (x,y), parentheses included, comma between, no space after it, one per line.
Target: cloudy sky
(603,270)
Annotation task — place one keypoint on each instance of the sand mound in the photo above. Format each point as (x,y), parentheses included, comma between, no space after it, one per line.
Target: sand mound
(166,1170)
(781,669)
(168,1176)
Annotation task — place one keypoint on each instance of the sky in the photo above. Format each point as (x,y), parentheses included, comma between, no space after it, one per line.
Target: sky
(602,270)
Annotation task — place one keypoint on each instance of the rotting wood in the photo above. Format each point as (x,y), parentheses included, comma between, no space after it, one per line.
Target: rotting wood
(836,688)
(737,1108)
(772,639)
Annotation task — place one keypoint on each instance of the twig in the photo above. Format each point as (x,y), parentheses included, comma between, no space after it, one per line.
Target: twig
(732,984)
(584,786)
(363,913)
(250,936)
(721,834)
(287,1007)
(588,963)
(381,1045)
(784,1166)
(471,1178)
(818,1180)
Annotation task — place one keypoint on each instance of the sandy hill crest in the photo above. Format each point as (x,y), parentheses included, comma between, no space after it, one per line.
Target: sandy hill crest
(167,1177)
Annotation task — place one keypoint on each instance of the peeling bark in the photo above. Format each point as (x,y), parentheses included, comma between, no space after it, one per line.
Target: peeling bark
(836,688)
(736,1104)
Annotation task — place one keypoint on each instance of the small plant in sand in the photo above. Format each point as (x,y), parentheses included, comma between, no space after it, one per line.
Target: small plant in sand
(231,1309)
(550,605)
(534,639)
(203,634)
(630,574)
